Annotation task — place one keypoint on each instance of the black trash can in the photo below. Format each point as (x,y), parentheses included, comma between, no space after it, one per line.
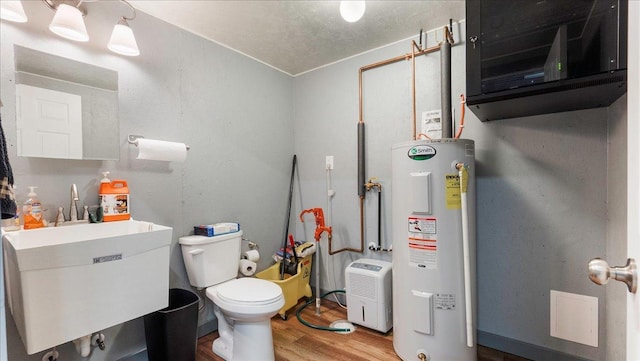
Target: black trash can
(171,333)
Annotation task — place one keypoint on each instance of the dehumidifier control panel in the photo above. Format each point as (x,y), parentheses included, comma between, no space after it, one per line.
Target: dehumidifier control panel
(366,266)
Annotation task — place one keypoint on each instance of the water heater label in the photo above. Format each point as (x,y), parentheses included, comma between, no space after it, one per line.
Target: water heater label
(422,242)
(445,301)
(421,152)
(452,191)
(422,225)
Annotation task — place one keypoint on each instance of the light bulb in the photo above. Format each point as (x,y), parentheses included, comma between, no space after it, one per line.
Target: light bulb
(352,11)
(68,23)
(122,40)
(12,10)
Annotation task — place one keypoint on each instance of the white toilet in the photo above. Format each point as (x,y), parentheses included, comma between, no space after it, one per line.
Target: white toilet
(243,306)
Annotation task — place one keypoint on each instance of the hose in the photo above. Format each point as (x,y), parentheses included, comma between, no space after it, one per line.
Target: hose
(318,327)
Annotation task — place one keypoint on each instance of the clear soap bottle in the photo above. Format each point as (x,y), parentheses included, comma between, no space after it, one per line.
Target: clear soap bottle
(32,210)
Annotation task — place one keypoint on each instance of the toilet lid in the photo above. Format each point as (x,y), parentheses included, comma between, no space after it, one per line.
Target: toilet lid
(249,290)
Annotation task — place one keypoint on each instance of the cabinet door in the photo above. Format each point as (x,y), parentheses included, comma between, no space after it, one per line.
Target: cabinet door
(473,41)
(49,123)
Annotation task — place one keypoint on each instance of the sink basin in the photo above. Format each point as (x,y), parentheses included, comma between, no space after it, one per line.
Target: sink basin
(67,282)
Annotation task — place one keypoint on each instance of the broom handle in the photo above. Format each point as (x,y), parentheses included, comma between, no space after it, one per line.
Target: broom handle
(286,224)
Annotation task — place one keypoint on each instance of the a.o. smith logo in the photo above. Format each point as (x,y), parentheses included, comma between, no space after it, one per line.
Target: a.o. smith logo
(421,152)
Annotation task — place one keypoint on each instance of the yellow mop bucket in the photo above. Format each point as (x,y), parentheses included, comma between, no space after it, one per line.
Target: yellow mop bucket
(293,287)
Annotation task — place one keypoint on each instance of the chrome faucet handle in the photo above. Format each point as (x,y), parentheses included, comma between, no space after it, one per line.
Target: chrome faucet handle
(59,217)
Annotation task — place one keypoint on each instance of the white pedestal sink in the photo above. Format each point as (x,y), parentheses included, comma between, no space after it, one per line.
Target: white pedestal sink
(67,282)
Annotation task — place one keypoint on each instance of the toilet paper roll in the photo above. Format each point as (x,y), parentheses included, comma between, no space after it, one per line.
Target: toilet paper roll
(160,150)
(252,255)
(247,268)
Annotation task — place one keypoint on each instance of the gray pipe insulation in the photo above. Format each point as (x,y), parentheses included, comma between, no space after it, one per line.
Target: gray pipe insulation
(445,93)
(361,173)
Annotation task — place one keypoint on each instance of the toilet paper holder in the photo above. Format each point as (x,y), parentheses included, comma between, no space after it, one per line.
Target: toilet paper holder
(133,139)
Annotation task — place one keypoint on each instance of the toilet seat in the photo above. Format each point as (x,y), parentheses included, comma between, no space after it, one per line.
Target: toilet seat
(249,291)
(247,295)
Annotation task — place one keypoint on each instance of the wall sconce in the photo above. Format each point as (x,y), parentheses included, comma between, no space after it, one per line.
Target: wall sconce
(68,23)
(122,40)
(12,10)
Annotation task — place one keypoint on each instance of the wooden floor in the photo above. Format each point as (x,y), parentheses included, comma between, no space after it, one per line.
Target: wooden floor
(294,341)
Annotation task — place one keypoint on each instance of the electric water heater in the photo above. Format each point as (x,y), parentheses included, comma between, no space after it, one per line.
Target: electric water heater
(434,288)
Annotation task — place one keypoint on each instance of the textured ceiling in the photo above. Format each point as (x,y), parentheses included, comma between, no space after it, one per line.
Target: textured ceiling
(297,36)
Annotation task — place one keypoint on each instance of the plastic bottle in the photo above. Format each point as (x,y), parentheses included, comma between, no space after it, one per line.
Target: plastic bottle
(114,199)
(32,211)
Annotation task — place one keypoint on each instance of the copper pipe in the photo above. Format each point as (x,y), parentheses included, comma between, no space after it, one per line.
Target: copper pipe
(360,119)
(449,35)
(413,89)
(387,62)
(399,58)
(407,56)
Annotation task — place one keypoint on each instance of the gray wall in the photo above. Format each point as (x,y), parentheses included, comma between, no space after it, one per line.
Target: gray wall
(235,113)
(542,181)
(616,244)
(541,187)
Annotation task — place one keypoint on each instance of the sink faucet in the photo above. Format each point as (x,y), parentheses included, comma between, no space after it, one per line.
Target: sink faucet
(73,209)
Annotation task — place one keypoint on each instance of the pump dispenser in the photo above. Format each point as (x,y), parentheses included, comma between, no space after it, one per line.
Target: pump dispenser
(32,210)
(105,177)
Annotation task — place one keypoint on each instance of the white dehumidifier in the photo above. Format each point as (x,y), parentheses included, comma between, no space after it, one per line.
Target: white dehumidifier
(369,294)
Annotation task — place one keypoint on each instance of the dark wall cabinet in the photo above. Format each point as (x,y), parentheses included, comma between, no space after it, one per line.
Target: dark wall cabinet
(530,57)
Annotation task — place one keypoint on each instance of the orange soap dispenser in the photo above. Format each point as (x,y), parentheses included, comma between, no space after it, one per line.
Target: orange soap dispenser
(114,199)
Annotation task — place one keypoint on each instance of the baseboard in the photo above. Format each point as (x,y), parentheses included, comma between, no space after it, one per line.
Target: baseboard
(523,349)
(207,327)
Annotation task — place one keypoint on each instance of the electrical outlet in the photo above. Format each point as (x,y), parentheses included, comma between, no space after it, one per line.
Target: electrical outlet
(432,124)
(329,162)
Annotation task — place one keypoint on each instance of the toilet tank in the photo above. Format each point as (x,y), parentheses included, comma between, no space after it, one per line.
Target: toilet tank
(211,260)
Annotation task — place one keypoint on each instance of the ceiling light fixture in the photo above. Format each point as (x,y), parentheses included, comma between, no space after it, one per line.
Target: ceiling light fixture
(68,23)
(12,10)
(352,11)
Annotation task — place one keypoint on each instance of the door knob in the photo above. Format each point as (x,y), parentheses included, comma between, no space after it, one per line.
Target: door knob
(600,273)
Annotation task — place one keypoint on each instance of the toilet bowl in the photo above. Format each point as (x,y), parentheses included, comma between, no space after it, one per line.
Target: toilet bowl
(244,308)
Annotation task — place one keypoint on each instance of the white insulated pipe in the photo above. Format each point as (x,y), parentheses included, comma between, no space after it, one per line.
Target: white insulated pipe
(318,299)
(83,345)
(464,179)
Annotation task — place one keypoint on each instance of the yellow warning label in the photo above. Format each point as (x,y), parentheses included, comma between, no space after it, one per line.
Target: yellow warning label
(452,189)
